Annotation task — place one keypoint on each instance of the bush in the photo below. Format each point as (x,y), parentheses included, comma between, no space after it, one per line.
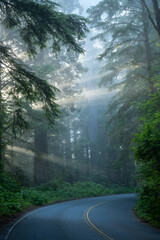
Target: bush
(35,197)
(87,189)
(148,205)
(10,195)
(50,186)
(13,198)
(148,155)
(9,182)
(99,177)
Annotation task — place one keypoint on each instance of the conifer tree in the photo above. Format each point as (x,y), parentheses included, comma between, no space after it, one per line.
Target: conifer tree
(37,22)
(125,32)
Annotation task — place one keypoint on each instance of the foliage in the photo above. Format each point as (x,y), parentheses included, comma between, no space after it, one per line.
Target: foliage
(40,21)
(119,28)
(148,174)
(36,24)
(10,195)
(35,197)
(98,177)
(87,189)
(13,198)
(21,177)
(148,205)
(50,186)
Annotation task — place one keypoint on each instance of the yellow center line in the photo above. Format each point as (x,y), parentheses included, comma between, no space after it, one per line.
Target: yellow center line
(88,221)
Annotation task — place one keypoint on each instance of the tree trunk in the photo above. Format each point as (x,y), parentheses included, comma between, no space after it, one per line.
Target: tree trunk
(1,130)
(157,15)
(88,164)
(148,50)
(2,121)
(155,22)
(68,154)
(68,147)
(41,163)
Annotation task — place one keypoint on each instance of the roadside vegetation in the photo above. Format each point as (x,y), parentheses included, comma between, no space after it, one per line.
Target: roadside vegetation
(15,198)
(147,154)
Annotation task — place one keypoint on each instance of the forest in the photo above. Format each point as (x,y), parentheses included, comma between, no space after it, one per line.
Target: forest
(79,102)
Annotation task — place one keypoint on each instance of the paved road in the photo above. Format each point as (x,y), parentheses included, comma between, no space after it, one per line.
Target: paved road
(109,217)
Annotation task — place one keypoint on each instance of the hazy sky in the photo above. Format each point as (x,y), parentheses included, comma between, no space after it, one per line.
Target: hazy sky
(87,3)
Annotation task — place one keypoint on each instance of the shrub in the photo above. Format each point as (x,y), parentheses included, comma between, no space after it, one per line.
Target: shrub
(10,195)
(35,197)
(147,155)
(51,186)
(13,198)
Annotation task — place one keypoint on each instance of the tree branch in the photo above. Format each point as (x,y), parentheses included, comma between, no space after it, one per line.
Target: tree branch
(149,14)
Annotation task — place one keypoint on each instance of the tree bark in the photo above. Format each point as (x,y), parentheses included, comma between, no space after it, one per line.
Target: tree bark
(1,119)
(156,22)
(157,15)
(1,129)
(68,153)
(41,163)
(148,50)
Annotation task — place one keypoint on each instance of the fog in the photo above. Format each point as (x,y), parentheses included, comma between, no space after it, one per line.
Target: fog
(97,81)
(87,4)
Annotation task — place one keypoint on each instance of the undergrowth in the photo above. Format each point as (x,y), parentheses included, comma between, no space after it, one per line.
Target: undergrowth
(14,198)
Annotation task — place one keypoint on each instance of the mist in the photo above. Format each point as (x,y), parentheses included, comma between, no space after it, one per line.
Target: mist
(77,147)
(79,100)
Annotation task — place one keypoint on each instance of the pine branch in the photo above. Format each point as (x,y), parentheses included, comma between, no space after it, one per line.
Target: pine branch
(37,22)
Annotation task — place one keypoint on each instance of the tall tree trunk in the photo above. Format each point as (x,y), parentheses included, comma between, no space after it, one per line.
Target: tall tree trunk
(157,15)
(2,118)
(88,164)
(68,154)
(155,20)
(68,147)
(148,49)
(1,128)
(41,163)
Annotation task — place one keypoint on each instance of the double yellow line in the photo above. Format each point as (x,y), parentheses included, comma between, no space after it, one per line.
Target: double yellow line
(88,221)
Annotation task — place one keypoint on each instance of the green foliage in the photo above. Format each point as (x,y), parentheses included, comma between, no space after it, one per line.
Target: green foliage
(9,182)
(35,197)
(13,198)
(148,206)
(10,195)
(119,27)
(147,155)
(40,21)
(51,186)
(67,191)
(21,177)
(37,24)
(148,142)
(10,202)
(98,177)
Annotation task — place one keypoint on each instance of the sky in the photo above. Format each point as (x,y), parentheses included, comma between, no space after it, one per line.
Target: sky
(87,3)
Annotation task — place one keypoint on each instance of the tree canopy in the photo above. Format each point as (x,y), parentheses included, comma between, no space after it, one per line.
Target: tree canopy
(37,24)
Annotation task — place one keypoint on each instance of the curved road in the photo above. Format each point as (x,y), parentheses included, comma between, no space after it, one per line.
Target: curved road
(109,217)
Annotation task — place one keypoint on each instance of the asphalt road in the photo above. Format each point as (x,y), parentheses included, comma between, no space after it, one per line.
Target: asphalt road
(109,217)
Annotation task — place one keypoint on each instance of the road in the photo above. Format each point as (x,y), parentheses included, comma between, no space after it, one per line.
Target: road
(109,217)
